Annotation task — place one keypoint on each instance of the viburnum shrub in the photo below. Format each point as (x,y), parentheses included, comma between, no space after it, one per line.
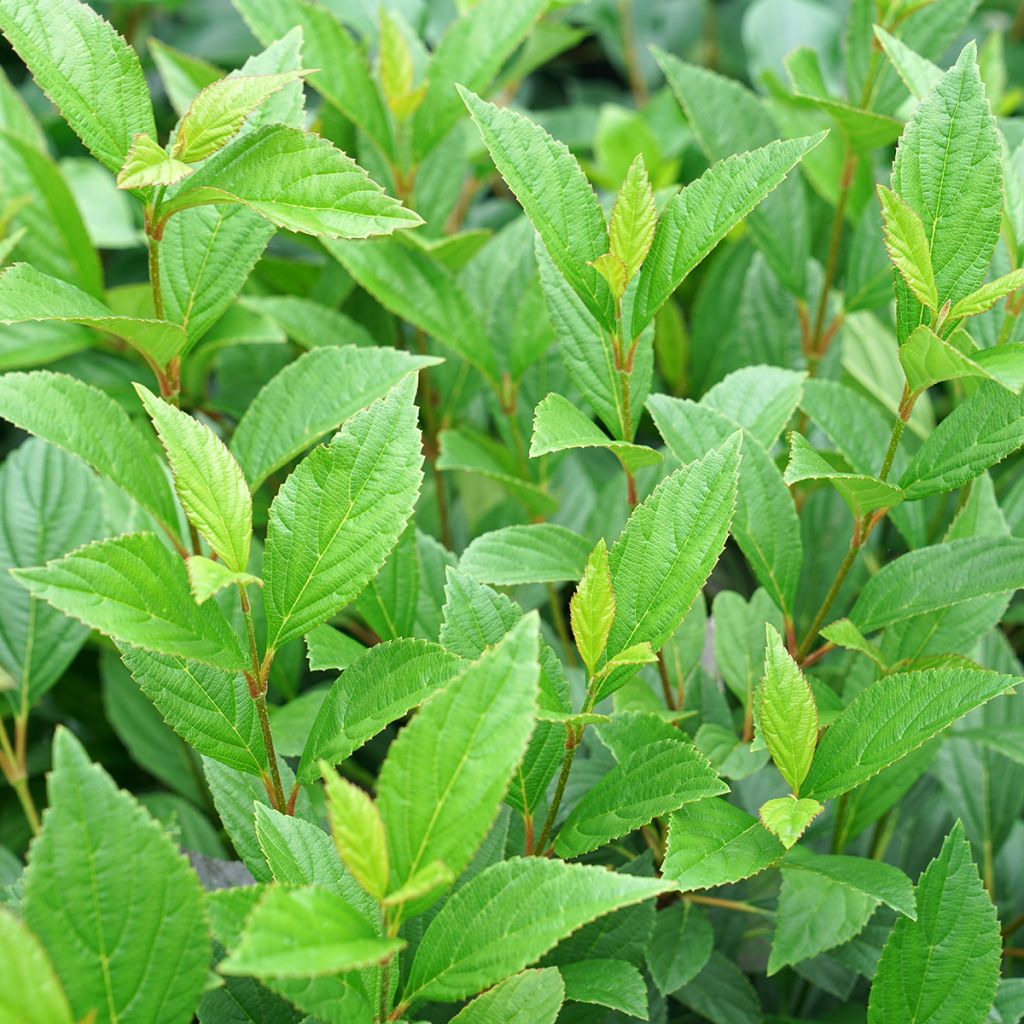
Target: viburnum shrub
(492,581)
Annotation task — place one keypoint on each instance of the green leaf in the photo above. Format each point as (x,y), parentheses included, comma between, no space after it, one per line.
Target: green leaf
(977,434)
(447,772)
(28,295)
(883,882)
(558,424)
(844,633)
(760,399)
(148,164)
(209,708)
(88,71)
(633,218)
(311,396)
(50,504)
(209,481)
(137,590)
(510,915)
(551,187)
(892,717)
(358,831)
(717,201)
(649,783)
(305,933)
(297,181)
(592,608)
(714,843)
(787,818)
(787,715)
(329,648)
(928,359)
(32,992)
(207,577)
(919,74)
(538,553)
(943,967)
(432,876)
(948,170)
(613,270)
(338,515)
(611,983)
(987,295)
(216,115)
(181,74)
(680,946)
(681,528)
(383,684)
(532,997)
(815,914)
(100,876)
(908,247)
(937,577)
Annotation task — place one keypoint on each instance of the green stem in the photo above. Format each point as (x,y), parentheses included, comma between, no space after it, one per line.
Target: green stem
(839,831)
(833,593)
(14,770)
(737,905)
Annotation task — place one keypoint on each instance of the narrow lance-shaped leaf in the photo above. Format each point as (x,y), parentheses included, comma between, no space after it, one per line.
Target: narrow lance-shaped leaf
(208,480)
(358,831)
(633,219)
(592,608)
(928,359)
(297,181)
(908,247)
(338,515)
(91,74)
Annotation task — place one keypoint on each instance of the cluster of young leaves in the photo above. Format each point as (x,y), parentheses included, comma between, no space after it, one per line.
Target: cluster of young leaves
(444,725)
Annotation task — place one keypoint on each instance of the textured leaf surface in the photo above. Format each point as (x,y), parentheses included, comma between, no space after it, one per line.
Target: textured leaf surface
(892,717)
(447,772)
(32,992)
(137,590)
(532,997)
(338,515)
(538,553)
(612,983)
(943,967)
(118,909)
(633,219)
(311,396)
(680,945)
(147,164)
(788,818)
(875,878)
(908,247)
(89,72)
(508,917)
(358,833)
(592,607)
(712,843)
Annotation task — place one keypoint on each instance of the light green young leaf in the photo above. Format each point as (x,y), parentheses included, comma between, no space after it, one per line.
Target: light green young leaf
(358,831)
(948,170)
(383,684)
(305,933)
(787,715)
(908,247)
(216,115)
(893,716)
(51,504)
(551,187)
(863,494)
(432,876)
(338,515)
(395,69)
(844,633)
(716,202)
(32,993)
(28,295)
(558,424)
(209,481)
(208,707)
(99,876)
(537,553)
(681,528)
(592,608)
(88,71)
(680,945)
(937,577)
(815,914)
(447,772)
(136,589)
(987,295)
(148,164)
(613,270)
(928,359)
(883,882)
(470,54)
(311,396)
(714,843)
(977,434)
(612,983)
(532,997)
(207,577)
(638,654)
(510,915)
(633,219)
(956,927)
(649,783)
(297,181)
(787,818)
